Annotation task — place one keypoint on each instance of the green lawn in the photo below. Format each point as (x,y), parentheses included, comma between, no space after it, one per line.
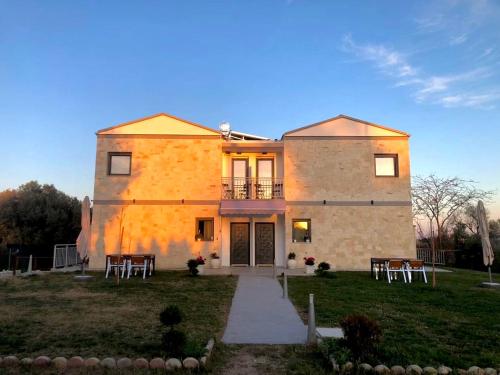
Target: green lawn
(456,324)
(56,316)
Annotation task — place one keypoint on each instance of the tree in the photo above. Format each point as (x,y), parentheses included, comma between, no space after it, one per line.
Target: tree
(38,216)
(439,200)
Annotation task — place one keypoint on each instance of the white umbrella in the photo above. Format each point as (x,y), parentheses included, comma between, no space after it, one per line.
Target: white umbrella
(83,240)
(482,222)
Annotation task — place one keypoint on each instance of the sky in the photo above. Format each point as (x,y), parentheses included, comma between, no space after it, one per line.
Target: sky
(70,68)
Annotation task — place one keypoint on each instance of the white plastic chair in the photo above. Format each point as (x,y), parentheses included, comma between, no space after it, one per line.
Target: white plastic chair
(415,266)
(137,263)
(116,263)
(393,267)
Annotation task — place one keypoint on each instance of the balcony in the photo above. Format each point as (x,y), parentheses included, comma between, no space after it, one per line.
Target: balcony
(240,188)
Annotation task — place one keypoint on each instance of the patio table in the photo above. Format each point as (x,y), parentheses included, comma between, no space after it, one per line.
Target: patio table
(379,262)
(151,258)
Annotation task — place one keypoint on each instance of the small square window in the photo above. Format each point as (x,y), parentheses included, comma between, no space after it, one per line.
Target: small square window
(119,163)
(386,165)
(301,230)
(204,229)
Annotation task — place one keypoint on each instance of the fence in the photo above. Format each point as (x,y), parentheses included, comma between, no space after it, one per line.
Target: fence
(442,256)
(66,255)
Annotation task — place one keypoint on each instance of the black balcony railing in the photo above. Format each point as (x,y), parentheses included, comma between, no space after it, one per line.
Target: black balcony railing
(252,188)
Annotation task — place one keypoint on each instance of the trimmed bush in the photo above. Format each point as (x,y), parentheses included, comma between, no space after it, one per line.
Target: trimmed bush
(362,335)
(171,316)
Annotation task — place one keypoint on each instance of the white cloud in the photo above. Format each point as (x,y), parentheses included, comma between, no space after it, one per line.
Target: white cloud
(486,52)
(484,101)
(454,41)
(438,84)
(389,61)
(452,90)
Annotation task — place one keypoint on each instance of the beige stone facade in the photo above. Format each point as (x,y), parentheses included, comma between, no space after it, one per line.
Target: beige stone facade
(181,171)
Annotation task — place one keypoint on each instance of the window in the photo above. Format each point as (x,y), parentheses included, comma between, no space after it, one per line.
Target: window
(301,230)
(119,163)
(386,165)
(204,229)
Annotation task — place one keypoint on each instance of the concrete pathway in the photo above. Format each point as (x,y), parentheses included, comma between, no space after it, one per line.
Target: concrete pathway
(260,315)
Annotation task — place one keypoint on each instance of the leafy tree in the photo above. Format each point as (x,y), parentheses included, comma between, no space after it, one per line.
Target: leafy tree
(38,216)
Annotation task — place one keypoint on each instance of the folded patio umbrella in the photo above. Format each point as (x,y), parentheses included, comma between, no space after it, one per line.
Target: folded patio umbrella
(83,240)
(488,255)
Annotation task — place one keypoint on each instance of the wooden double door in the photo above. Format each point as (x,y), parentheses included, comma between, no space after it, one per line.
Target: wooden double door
(240,243)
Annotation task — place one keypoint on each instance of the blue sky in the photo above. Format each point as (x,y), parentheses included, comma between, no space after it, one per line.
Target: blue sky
(69,68)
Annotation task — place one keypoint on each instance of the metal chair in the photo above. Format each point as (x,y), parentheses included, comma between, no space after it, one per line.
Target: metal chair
(393,267)
(415,265)
(116,263)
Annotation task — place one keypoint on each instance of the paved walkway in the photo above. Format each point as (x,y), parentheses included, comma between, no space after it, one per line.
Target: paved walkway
(260,315)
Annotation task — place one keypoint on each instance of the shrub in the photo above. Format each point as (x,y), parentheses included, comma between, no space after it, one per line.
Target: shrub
(194,349)
(291,255)
(323,270)
(324,266)
(192,264)
(334,347)
(171,316)
(174,343)
(362,335)
(201,260)
(214,255)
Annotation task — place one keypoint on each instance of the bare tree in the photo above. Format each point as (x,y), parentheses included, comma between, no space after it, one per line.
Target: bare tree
(441,199)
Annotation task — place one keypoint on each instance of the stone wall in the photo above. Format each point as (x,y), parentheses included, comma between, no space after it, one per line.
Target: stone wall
(162,168)
(347,231)
(164,172)
(344,169)
(347,237)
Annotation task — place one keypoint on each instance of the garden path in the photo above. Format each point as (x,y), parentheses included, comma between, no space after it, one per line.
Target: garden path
(260,315)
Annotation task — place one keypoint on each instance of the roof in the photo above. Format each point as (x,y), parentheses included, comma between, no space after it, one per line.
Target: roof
(161,123)
(345,126)
(245,136)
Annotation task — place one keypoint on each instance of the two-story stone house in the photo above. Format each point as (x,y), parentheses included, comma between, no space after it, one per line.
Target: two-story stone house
(337,190)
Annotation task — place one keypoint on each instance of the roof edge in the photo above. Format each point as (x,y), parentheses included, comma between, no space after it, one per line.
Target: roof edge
(348,118)
(153,116)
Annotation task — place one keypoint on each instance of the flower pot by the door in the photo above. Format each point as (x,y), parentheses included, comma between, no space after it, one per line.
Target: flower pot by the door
(309,270)
(201,269)
(215,263)
(292,264)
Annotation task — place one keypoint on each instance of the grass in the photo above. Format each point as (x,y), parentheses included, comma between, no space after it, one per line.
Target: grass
(56,316)
(456,324)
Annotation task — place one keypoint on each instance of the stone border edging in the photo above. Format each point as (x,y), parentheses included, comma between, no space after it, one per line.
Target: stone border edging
(349,368)
(157,363)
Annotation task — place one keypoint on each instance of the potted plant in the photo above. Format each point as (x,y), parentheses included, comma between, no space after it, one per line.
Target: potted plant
(307,237)
(292,263)
(214,260)
(201,264)
(309,262)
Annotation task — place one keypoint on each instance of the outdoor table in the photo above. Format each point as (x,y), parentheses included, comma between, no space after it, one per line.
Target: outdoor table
(150,257)
(379,262)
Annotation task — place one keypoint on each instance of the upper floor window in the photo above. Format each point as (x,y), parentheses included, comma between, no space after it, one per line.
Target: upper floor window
(386,165)
(301,230)
(204,229)
(119,163)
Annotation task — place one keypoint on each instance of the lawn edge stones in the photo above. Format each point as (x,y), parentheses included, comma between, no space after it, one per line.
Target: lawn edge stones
(42,361)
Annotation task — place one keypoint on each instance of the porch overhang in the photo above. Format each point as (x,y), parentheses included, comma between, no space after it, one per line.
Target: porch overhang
(252,207)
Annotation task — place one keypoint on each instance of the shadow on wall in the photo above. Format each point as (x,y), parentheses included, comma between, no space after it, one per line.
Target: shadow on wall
(165,230)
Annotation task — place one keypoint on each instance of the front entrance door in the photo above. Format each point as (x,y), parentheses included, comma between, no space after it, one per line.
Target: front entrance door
(264,243)
(240,243)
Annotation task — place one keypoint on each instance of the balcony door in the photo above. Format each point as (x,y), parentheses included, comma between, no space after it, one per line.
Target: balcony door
(240,179)
(265,174)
